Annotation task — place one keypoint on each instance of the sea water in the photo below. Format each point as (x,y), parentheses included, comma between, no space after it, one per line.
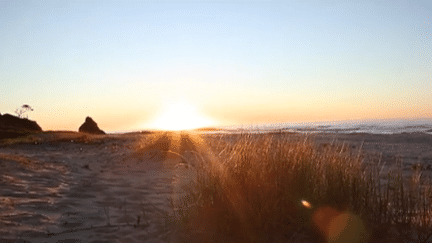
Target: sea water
(363,126)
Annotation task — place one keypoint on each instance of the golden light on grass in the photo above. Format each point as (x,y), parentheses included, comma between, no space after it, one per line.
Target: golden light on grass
(181,116)
(250,187)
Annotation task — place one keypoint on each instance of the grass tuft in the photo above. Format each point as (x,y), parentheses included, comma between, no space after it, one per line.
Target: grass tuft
(286,188)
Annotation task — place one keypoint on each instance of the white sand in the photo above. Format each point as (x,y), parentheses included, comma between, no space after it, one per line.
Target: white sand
(79,192)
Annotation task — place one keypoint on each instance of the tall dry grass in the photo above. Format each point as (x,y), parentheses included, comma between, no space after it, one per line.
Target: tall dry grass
(286,188)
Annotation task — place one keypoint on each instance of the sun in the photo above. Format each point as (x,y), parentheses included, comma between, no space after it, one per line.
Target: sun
(181,116)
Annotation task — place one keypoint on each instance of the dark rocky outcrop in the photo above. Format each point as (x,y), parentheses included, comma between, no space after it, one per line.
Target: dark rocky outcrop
(13,126)
(90,126)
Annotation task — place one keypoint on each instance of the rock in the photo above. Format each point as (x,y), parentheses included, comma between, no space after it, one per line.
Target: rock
(13,126)
(90,126)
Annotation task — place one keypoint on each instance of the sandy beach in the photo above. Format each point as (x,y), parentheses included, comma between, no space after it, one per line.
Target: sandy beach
(101,191)
(106,189)
(412,149)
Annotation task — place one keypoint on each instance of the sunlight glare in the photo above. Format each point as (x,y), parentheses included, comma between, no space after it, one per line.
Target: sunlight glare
(181,116)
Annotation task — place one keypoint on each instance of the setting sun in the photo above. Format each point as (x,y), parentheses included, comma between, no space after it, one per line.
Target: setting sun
(181,116)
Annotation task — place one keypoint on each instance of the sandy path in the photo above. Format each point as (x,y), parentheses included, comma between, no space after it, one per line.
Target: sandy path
(103,193)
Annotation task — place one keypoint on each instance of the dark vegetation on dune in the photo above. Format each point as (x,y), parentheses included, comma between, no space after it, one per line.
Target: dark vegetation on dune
(13,126)
(18,130)
(53,138)
(208,129)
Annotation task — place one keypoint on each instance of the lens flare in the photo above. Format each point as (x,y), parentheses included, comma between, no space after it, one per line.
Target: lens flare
(306,204)
(339,226)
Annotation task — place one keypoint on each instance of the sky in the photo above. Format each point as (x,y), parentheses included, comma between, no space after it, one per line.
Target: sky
(131,64)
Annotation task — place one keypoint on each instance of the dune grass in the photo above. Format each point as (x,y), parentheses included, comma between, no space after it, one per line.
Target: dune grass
(286,188)
(54,137)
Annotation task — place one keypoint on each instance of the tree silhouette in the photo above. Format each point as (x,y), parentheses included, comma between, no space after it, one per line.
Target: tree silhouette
(22,110)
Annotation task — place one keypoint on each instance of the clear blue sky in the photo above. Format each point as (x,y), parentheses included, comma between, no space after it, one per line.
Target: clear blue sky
(236,62)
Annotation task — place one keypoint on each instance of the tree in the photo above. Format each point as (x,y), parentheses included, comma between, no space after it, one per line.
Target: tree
(24,109)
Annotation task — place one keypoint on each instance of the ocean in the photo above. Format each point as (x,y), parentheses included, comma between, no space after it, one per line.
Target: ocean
(363,126)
